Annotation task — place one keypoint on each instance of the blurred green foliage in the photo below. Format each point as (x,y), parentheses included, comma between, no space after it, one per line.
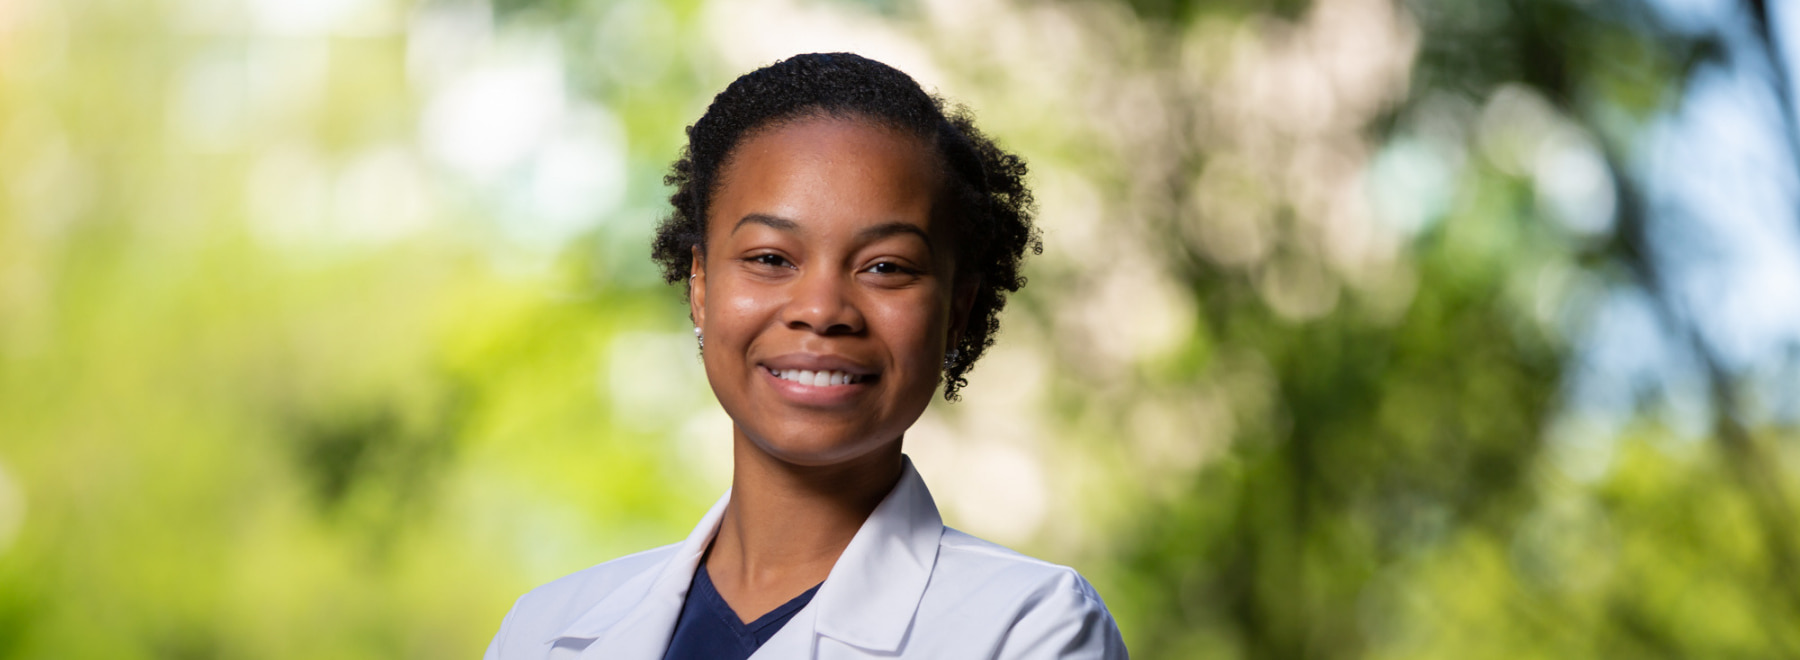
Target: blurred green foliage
(326,329)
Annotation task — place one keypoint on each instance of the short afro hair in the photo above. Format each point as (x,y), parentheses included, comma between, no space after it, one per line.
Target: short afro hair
(984,185)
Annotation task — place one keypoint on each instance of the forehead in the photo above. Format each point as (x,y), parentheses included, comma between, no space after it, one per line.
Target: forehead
(829,170)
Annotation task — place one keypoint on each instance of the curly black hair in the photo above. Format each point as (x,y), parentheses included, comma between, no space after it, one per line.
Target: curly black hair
(985,186)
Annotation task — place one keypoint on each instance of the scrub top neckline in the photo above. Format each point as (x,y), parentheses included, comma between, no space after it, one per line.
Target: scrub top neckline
(704,585)
(708,629)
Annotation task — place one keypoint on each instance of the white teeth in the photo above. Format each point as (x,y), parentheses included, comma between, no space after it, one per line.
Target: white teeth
(817,378)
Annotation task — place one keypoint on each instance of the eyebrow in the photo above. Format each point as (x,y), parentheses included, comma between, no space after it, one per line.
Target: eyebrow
(870,234)
(773,222)
(887,229)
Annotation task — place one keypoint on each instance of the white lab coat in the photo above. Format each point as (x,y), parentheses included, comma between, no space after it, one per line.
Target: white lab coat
(905,587)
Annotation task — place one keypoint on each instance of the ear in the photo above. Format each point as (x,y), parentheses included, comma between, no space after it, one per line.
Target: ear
(697,288)
(961,301)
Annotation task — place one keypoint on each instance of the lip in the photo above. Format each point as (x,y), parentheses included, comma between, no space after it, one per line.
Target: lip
(817,396)
(817,362)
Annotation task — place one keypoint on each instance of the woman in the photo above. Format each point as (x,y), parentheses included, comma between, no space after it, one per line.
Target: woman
(847,247)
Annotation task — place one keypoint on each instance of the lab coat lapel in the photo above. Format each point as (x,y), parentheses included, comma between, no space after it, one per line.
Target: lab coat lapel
(635,621)
(867,601)
(872,593)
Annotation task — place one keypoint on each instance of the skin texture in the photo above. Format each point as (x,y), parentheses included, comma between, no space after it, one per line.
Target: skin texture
(823,250)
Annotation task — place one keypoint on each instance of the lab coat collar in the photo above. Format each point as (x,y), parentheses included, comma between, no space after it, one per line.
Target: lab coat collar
(650,601)
(868,600)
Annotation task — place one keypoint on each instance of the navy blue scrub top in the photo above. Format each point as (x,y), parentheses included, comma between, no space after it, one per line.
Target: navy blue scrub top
(709,630)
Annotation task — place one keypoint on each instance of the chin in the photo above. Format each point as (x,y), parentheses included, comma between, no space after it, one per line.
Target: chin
(818,448)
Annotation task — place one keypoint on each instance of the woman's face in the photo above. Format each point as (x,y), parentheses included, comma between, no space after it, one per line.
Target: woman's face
(825,292)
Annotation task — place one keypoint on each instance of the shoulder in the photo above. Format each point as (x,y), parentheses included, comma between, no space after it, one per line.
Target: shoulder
(961,555)
(1031,607)
(543,613)
(576,592)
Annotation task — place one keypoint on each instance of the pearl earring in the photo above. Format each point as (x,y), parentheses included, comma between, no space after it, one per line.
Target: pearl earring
(699,338)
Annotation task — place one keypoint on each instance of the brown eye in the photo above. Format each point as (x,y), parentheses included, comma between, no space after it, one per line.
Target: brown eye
(890,268)
(770,260)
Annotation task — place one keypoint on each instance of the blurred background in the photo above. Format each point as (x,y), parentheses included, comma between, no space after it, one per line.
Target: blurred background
(1364,328)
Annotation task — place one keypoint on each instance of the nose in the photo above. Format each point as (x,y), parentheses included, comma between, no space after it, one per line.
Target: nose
(823,302)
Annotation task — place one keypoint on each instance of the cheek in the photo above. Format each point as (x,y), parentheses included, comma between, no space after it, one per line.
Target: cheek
(735,313)
(917,338)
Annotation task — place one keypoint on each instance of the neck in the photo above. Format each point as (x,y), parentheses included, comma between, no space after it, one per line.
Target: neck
(786,524)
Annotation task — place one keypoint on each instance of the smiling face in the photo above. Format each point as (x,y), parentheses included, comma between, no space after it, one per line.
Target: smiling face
(826,288)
